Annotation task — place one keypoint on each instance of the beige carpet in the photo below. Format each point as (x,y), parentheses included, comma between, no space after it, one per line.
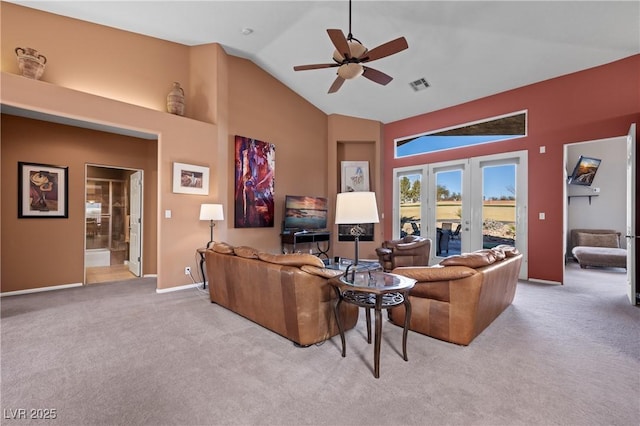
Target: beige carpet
(120,354)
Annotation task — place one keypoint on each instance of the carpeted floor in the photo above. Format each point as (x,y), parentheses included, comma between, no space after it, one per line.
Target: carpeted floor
(120,354)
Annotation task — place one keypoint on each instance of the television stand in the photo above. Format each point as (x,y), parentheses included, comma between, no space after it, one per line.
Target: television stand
(307,237)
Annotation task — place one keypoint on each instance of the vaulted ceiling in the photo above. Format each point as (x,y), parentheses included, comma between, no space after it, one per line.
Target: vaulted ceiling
(465,50)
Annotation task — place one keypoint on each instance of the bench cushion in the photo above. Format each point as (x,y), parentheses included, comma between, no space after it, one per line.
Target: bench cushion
(600,256)
(597,240)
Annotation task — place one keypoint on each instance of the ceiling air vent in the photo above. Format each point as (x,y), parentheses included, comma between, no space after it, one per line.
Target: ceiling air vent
(419,84)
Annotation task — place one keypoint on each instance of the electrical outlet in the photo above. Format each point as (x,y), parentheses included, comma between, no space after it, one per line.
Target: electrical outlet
(187,270)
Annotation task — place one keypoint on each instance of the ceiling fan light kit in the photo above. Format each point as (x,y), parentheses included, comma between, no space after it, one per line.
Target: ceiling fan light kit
(350,54)
(350,71)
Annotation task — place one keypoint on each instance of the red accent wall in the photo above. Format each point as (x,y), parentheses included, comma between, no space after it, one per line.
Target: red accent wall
(597,103)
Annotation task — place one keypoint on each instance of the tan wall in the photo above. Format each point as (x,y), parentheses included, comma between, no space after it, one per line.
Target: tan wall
(355,139)
(96,59)
(179,139)
(262,108)
(121,79)
(61,259)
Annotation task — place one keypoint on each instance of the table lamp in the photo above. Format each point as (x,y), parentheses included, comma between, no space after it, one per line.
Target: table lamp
(211,212)
(356,208)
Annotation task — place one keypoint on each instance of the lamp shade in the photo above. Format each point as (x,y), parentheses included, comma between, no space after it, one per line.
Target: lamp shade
(353,208)
(211,212)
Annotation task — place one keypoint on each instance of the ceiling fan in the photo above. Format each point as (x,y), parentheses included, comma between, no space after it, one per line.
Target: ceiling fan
(350,54)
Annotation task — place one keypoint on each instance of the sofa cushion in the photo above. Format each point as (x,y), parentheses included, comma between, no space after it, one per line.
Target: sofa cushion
(321,272)
(475,259)
(600,256)
(597,240)
(292,259)
(246,251)
(498,253)
(434,273)
(222,248)
(509,251)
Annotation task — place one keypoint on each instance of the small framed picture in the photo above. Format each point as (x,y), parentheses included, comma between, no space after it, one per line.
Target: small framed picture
(355,176)
(190,179)
(42,191)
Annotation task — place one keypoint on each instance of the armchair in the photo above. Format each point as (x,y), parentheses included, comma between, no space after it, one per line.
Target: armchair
(407,251)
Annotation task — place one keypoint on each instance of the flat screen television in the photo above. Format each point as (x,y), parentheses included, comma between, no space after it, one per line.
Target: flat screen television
(585,171)
(302,213)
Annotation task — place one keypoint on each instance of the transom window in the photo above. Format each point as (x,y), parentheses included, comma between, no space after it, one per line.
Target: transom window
(490,130)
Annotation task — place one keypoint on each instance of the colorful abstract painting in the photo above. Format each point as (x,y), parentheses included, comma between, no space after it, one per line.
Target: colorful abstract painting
(254,183)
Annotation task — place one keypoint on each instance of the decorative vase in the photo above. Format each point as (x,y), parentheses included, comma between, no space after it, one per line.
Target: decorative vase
(30,62)
(175,100)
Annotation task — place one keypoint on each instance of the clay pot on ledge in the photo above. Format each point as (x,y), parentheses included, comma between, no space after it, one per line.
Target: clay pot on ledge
(30,62)
(175,100)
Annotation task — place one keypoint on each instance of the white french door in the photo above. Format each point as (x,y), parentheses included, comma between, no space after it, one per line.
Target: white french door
(465,205)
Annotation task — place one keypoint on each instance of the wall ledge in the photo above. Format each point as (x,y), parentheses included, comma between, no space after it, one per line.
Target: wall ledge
(27,84)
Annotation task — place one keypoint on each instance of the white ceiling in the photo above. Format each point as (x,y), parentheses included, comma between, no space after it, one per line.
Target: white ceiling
(465,49)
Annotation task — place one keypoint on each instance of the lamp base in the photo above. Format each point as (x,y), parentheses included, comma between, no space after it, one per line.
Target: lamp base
(211,225)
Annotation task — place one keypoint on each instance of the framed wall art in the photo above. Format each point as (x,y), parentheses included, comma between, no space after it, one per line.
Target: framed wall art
(42,191)
(254,183)
(355,176)
(585,171)
(190,179)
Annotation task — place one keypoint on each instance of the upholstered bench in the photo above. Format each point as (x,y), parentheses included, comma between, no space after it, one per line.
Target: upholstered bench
(598,247)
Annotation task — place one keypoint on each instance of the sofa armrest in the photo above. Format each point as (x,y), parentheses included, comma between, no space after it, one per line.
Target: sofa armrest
(381,251)
(435,273)
(412,245)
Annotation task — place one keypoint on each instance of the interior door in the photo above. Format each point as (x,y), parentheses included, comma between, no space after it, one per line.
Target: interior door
(631,235)
(135,223)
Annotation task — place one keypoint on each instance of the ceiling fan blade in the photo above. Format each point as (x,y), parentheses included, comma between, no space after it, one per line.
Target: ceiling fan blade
(340,42)
(337,84)
(313,67)
(387,49)
(376,76)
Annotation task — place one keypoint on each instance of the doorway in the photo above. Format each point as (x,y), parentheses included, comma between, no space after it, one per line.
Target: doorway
(603,204)
(112,245)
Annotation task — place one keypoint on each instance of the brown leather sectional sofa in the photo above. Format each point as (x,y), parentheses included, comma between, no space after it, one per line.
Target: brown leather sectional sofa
(287,294)
(456,300)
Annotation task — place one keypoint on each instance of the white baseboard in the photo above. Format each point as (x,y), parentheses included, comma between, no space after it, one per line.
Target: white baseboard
(178,288)
(39,289)
(535,280)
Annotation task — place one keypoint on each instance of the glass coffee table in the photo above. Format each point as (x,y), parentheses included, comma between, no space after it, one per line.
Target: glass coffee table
(377,290)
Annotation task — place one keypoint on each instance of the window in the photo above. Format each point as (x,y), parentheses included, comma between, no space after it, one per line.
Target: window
(494,129)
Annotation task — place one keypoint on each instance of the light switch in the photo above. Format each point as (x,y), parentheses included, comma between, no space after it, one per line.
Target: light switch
(167,214)
(543,149)
(541,216)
